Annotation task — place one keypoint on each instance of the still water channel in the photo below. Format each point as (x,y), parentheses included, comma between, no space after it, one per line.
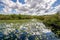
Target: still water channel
(33,30)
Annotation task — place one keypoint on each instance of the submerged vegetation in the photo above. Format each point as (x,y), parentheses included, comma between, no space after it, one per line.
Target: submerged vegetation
(51,21)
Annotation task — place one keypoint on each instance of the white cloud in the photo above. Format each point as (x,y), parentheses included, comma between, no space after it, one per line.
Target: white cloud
(30,7)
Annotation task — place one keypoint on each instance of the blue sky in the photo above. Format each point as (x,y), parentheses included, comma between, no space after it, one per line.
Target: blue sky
(2,5)
(21,1)
(56,3)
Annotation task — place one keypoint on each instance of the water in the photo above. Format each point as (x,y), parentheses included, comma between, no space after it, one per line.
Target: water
(32,30)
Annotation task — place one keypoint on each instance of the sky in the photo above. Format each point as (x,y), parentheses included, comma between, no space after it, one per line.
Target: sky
(29,7)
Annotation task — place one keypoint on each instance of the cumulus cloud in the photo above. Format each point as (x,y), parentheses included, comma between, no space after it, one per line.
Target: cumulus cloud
(31,7)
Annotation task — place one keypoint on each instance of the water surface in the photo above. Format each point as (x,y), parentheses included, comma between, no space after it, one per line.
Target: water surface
(32,30)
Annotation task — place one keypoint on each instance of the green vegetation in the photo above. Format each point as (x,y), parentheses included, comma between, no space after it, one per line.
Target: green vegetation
(51,21)
(15,21)
(14,17)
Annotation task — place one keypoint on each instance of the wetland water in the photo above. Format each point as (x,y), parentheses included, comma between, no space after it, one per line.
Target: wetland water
(32,30)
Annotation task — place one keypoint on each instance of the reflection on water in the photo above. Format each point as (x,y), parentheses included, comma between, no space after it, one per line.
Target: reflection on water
(32,30)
